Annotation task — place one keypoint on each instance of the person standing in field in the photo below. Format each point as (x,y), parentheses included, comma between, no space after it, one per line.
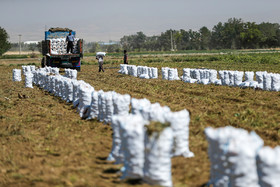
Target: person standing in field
(100,63)
(70,40)
(125,57)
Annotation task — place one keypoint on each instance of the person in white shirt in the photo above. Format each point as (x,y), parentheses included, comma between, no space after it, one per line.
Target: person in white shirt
(70,40)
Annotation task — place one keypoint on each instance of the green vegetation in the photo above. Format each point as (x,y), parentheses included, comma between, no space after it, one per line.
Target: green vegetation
(233,34)
(4,43)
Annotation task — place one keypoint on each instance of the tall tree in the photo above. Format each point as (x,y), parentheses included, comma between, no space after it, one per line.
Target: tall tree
(269,34)
(251,36)
(139,40)
(216,41)
(231,33)
(205,37)
(5,45)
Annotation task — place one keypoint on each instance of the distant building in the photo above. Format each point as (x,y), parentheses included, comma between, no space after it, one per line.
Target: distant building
(109,43)
(31,42)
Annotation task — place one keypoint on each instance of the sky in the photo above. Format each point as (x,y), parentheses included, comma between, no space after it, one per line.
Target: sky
(106,20)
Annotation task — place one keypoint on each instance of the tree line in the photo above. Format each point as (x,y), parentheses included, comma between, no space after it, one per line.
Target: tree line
(233,34)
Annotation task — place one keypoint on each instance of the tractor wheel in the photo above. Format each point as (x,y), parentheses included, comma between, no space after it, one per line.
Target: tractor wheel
(43,62)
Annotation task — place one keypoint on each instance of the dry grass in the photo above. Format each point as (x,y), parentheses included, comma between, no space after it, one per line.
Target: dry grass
(45,143)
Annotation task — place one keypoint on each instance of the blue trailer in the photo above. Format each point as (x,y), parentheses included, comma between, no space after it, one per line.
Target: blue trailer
(54,50)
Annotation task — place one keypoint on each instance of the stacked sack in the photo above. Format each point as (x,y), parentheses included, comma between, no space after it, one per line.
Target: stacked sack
(144,153)
(169,73)
(17,75)
(28,73)
(202,76)
(59,46)
(123,69)
(232,153)
(264,80)
(71,73)
(268,165)
(238,158)
(142,72)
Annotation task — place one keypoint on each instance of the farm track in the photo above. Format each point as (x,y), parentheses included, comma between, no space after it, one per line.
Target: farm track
(45,143)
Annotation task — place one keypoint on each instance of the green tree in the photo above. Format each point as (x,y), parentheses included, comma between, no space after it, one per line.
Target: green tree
(139,40)
(94,47)
(269,36)
(126,42)
(165,40)
(5,45)
(231,33)
(194,39)
(216,41)
(251,36)
(205,37)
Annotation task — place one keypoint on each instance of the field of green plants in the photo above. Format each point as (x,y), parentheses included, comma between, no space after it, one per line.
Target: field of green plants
(45,143)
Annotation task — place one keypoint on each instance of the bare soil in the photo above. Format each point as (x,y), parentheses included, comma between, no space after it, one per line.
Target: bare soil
(45,143)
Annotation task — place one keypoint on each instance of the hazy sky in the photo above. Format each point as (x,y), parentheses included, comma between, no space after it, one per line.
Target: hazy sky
(106,20)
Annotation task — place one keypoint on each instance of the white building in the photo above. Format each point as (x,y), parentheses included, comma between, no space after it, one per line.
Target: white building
(31,42)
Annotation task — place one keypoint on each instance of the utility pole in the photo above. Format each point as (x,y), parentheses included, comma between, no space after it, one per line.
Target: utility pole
(171,40)
(19,43)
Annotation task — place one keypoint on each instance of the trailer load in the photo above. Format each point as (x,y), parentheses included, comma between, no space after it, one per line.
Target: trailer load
(54,49)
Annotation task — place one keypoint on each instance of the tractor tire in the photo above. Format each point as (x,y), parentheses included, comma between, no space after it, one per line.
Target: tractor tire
(43,62)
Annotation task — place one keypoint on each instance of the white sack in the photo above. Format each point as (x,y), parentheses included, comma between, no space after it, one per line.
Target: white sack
(121,104)
(267,81)
(101,105)
(180,125)
(134,71)
(164,73)
(275,82)
(116,153)
(141,106)
(85,91)
(16,75)
(154,73)
(249,76)
(171,74)
(238,78)
(232,154)
(157,166)
(259,76)
(231,78)
(158,113)
(28,80)
(212,76)
(144,76)
(268,165)
(108,96)
(94,105)
(69,90)
(226,80)
(132,140)
(186,74)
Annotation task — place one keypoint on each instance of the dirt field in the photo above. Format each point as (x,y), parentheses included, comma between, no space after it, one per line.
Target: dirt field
(45,143)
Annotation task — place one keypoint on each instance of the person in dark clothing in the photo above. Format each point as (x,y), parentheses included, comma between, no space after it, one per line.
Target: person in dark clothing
(100,63)
(70,40)
(125,57)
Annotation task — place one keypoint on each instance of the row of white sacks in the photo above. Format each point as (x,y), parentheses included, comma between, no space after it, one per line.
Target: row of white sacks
(59,46)
(239,159)
(169,73)
(232,152)
(144,155)
(264,80)
(142,72)
(28,72)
